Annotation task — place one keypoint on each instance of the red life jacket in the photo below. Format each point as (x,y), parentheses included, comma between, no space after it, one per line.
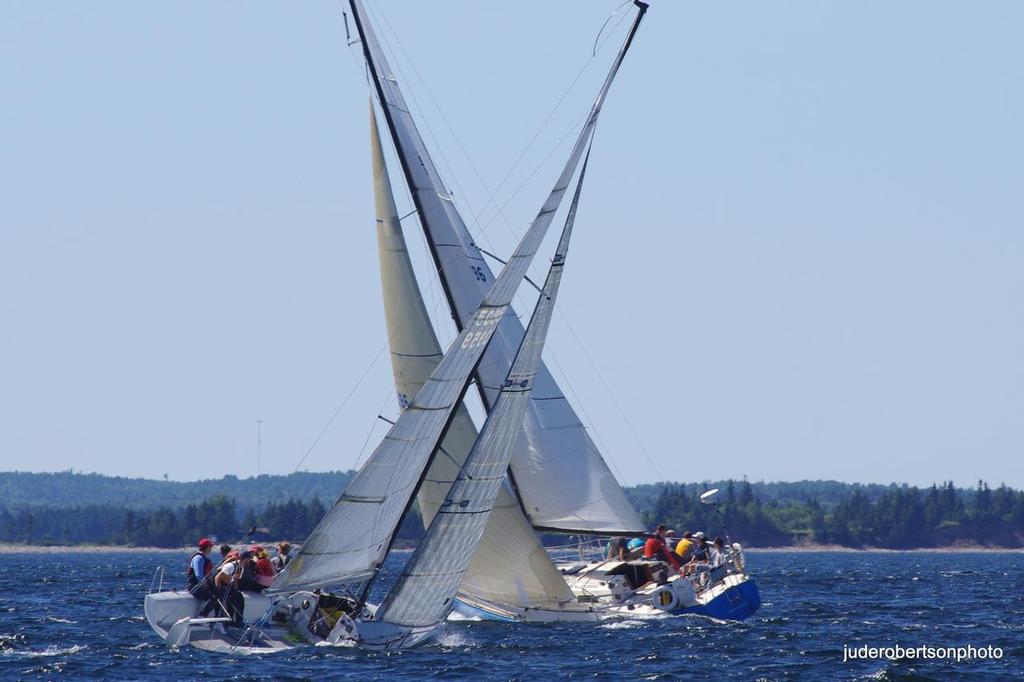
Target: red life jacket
(190,574)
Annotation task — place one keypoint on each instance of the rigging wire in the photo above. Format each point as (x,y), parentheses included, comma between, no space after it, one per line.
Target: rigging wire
(482,229)
(611,395)
(341,406)
(373,427)
(576,398)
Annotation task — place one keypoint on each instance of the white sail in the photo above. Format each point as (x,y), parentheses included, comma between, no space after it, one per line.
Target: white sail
(424,591)
(353,538)
(510,565)
(561,478)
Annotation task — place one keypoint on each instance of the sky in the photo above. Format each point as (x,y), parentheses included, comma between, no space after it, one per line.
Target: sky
(798,253)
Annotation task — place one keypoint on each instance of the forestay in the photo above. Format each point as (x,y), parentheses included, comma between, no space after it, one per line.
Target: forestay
(510,565)
(562,480)
(423,593)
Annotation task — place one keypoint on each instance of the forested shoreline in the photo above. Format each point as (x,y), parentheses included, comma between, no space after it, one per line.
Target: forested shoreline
(69,508)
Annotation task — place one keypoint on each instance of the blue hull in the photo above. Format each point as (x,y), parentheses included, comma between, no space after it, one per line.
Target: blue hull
(736,603)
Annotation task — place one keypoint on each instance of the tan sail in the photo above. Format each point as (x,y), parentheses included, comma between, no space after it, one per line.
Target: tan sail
(510,565)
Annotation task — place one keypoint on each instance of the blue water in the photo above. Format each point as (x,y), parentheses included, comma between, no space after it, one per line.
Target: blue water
(81,616)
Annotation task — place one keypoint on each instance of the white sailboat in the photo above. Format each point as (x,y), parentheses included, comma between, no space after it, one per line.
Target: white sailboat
(558,481)
(348,547)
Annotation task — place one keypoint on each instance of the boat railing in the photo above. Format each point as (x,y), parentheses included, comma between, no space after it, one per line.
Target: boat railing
(585,549)
(157,583)
(706,578)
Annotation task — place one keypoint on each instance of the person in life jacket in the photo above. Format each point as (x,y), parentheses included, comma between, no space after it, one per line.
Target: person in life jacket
(227,583)
(263,572)
(655,548)
(200,566)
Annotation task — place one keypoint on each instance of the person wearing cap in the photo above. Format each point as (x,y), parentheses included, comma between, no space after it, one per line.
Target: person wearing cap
(200,566)
(228,583)
(700,552)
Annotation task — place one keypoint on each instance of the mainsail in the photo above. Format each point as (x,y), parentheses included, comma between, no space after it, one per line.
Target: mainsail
(423,594)
(510,565)
(561,479)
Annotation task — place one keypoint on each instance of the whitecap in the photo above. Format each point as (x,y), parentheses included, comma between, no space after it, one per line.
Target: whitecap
(340,644)
(453,640)
(49,651)
(622,625)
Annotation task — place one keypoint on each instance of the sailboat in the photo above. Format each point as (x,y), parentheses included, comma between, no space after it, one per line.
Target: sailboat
(346,551)
(558,481)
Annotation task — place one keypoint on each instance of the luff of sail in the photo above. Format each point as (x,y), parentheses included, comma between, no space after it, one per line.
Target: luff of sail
(510,565)
(561,479)
(353,538)
(423,593)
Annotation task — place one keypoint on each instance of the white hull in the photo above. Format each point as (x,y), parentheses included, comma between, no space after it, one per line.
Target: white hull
(272,624)
(727,593)
(476,608)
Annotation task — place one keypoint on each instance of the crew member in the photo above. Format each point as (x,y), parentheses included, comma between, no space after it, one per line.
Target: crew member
(262,570)
(283,558)
(200,566)
(655,548)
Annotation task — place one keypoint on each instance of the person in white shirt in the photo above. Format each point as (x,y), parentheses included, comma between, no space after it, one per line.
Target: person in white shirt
(226,582)
(716,555)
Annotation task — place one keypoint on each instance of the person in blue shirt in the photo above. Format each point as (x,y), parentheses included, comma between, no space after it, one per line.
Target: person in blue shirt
(200,577)
(200,566)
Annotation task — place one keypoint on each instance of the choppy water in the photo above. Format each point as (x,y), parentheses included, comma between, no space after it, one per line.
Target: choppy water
(81,616)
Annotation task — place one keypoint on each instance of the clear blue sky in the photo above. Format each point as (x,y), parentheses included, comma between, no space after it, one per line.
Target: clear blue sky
(799,255)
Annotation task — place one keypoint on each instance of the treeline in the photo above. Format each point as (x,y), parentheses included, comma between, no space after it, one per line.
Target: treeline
(23,489)
(898,517)
(218,517)
(67,508)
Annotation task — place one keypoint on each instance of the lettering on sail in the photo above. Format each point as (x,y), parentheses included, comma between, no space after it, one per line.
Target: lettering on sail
(486,319)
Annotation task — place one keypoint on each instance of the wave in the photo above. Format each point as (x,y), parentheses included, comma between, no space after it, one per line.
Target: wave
(622,625)
(453,640)
(48,652)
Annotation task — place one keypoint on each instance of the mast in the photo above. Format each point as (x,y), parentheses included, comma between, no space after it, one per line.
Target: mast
(595,502)
(357,14)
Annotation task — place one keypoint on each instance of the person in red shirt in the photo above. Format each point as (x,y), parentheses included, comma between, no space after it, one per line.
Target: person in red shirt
(262,571)
(655,548)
